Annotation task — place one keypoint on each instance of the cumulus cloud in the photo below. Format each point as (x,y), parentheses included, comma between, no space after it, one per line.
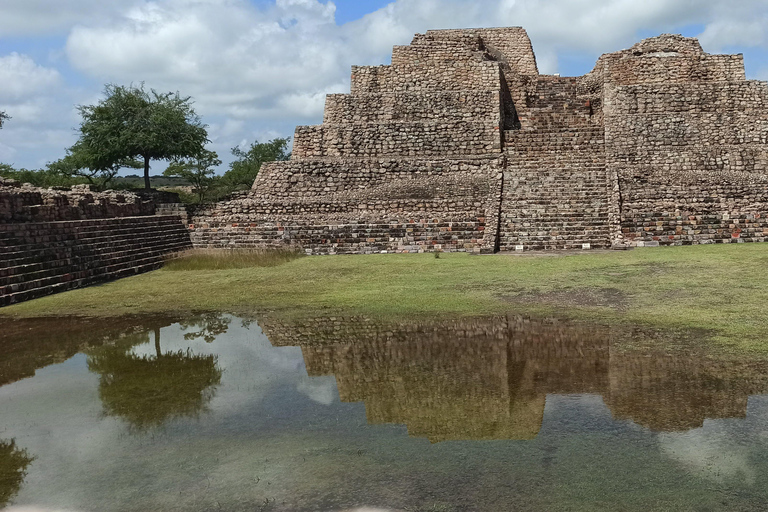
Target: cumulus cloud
(22,77)
(43,17)
(233,58)
(260,67)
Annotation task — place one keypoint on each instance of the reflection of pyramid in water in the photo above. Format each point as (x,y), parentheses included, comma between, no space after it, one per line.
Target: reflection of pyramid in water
(488,378)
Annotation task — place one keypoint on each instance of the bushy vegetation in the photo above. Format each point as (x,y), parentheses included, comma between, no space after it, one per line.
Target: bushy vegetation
(222,259)
(193,178)
(40,177)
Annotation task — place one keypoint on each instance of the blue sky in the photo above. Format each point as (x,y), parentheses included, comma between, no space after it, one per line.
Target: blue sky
(258,68)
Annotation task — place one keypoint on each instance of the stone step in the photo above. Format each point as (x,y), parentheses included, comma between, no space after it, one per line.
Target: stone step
(10,234)
(43,254)
(115,273)
(98,267)
(103,237)
(74,262)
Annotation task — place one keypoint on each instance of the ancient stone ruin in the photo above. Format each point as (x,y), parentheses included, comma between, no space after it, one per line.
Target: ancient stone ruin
(55,240)
(461,145)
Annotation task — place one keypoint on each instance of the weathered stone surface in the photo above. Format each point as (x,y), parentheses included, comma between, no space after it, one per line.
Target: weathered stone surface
(56,240)
(26,203)
(459,144)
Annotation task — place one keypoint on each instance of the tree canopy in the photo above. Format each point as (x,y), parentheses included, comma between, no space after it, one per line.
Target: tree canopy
(131,123)
(198,170)
(13,469)
(242,172)
(148,391)
(81,162)
(3,118)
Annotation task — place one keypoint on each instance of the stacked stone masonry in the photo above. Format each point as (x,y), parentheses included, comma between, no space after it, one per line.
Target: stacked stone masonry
(41,258)
(57,240)
(461,145)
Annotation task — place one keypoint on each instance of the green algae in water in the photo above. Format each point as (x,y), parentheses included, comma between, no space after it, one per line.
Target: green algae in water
(503,413)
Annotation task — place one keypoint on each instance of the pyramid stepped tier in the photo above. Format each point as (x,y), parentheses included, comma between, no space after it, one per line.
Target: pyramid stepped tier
(460,144)
(693,97)
(409,107)
(436,139)
(556,193)
(460,76)
(361,205)
(511,44)
(675,69)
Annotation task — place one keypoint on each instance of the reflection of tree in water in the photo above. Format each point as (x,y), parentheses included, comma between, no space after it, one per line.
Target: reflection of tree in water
(209,326)
(149,390)
(13,469)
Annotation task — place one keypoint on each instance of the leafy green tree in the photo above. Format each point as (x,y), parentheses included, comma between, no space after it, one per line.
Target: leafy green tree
(198,170)
(242,172)
(3,118)
(81,162)
(131,123)
(13,469)
(148,391)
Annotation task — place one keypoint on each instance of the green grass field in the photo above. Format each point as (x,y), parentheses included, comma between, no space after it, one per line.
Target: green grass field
(722,289)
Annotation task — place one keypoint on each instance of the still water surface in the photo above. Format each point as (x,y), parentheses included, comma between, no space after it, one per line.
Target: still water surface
(508,413)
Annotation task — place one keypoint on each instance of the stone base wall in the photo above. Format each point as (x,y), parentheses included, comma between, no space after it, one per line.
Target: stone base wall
(361,206)
(26,203)
(41,258)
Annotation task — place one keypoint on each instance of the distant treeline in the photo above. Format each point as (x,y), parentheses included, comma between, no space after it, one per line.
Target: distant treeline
(196,182)
(131,127)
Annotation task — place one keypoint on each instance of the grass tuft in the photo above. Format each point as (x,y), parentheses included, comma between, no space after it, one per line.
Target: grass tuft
(226,259)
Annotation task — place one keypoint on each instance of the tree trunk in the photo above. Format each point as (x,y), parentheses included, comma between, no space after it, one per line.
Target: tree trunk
(146,173)
(157,342)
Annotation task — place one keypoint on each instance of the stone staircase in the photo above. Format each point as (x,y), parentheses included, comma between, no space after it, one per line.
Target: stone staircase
(554,102)
(41,258)
(556,190)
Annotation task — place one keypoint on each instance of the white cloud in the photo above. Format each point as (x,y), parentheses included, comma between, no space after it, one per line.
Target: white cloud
(258,70)
(23,78)
(721,34)
(44,17)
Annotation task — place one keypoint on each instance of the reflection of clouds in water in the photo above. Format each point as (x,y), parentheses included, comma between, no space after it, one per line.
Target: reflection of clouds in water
(251,365)
(712,455)
(319,389)
(721,450)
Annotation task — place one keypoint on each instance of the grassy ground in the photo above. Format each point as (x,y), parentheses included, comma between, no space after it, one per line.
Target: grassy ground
(213,259)
(722,289)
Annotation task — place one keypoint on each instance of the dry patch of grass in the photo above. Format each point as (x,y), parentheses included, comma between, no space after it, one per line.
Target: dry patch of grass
(589,297)
(225,259)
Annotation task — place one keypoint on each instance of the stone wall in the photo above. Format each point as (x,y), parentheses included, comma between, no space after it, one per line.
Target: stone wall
(342,206)
(436,139)
(687,136)
(26,203)
(40,258)
(54,240)
(661,143)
